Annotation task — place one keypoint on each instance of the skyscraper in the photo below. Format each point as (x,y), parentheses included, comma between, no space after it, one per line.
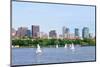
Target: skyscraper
(35,31)
(90,35)
(85,32)
(53,34)
(65,32)
(29,33)
(22,31)
(76,33)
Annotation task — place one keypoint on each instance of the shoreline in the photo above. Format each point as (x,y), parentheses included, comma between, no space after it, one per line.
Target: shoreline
(52,47)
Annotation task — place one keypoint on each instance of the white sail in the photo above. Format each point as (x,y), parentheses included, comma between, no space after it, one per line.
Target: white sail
(65,46)
(56,46)
(12,46)
(72,46)
(38,49)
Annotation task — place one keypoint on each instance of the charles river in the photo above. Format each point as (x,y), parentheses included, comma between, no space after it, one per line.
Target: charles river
(24,56)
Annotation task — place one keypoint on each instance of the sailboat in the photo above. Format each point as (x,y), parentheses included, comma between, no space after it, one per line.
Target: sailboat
(72,46)
(65,46)
(57,46)
(12,46)
(38,49)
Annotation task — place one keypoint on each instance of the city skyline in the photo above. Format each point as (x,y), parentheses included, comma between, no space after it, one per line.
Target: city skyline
(35,31)
(49,18)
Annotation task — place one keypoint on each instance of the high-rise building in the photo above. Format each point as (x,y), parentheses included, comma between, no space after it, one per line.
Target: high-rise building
(90,35)
(22,31)
(76,33)
(53,34)
(60,36)
(35,31)
(65,32)
(43,35)
(71,36)
(67,35)
(29,33)
(85,32)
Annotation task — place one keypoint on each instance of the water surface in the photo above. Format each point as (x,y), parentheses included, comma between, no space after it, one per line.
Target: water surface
(24,56)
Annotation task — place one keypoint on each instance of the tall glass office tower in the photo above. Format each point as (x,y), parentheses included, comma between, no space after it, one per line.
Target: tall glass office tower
(85,32)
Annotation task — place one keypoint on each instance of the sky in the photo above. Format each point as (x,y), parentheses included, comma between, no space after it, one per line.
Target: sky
(53,16)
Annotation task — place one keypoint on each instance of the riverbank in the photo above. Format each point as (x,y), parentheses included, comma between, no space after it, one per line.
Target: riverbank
(48,46)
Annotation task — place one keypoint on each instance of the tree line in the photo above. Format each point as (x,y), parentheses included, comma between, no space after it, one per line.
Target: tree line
(51,42)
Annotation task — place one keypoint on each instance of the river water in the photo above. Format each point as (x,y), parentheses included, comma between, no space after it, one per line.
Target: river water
(24,56)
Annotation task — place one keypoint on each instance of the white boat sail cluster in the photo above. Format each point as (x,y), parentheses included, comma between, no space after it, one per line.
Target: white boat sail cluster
(71,46)
(38,51)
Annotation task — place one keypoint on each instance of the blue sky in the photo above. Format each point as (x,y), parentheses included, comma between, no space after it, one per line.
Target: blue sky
(53,16)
